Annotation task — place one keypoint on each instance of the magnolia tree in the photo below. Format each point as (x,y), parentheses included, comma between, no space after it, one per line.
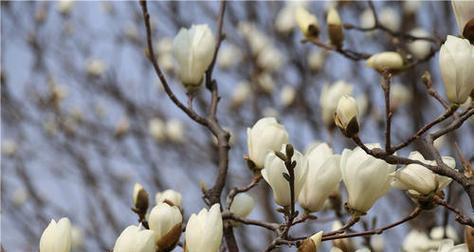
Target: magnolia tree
(154,150)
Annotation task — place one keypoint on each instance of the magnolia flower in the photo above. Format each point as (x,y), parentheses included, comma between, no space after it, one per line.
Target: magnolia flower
(419,180)
(316,59)
(390,18)
(286,17)
(156,128)
(165,221)
(448,246)
(312,243)
(347,116)
(265,136)
(399,96)
(140,199)
(377,243)
(419,48)
(330,94)
(367,18)
(464,12)
(362,104)
(95,67)
(456,60)
(366,178)
(307,22)
(345,244)
(228,56)
(241,93)
(440,232)
(336,33)
(287,95)
(169,196)
(56,237)
(175,130)
(242,205)
(204,230)
(418,241)
(386,60)
(134,239)
(65,6)
(323,177)
(273,174)
(270,58)
(193,50)
(257,40)
(265,82)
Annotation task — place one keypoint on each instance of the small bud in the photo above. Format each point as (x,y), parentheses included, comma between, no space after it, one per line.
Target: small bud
(140,200)
(311,244)
(336,34)
(165,221)
(347,114)
(56,236)
(390,61)
(307,22)
(242,205)
(469,237)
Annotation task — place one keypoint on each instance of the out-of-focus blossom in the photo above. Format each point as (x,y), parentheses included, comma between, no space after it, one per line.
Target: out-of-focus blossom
(362,104)
(241,93)
(20,196)
(411,6)
(344,244)
(316,59)
(169,196)
(285,20)
(56,237)
(65,6)
(366,19)
(420,48)
(204,230)
(135,239)
(228,56)
(390,18)
(9,147)
(307,22)
(417,241)
(242,205)
(287,95)
(399,96)
(270,58)
(95,67)
(77,238)
(448,246)
(265,82)
(439,233)
(175,130)
(464,12)
(156,128)
(390,61)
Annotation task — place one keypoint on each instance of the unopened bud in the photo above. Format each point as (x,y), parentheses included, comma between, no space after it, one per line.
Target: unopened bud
(469,237)
(347,114)
(336,34)
(140,200)
(311,244)
(307,22)
(390,61)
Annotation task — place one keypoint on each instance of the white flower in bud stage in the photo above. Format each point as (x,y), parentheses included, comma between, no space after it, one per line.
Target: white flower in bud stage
(456,61)
(175,130)
(316,59)
(156,128)
(322,179)
(56,237)
(347,115)
(448,246)
(193,50)
(256,39)
(385,60)
(366,178)
(95,67)
(170,196)
(330,94)
(345,244)
(285,20)
(390,18)
(335,30)
(165,46)
(287,95)
(135,239)
(399,96)
(228,56)
(418,241)
(420,48)
(439,233)
(77,238)
(464,12)
(265,136)
(165,221)
(307,22)
(312,243)
(204,231)
(270,59)
(273,174)
(241,93)
(242,205)
(419,180)
(377,243)
(65,6)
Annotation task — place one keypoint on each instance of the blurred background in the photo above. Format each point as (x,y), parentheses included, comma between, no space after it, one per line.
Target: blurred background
(84,116)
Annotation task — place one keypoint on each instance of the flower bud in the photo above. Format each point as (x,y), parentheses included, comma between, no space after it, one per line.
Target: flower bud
(329,94)
(366,178)
(307,22)
(242,92)
(287,95)
(399,96)
(204,231)
(336,33)
(456,61)
(464,12)
(193,50)
(390,61)
(390,18)
(56,237)
(442,232)
(95,67)
(165,221)
(140,200)
(228,57)
(242,205)
(134,239)
(316,59)
(323,177)
(265,136)
(175,130)
(156,128)
(170,197)
(311,244)
(273,174)
(347,114)
(344,244)
(419,48)
(65,6)
(469,237)
(447,245)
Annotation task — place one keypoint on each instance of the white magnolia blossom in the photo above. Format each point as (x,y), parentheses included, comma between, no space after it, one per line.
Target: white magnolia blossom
(138,194)
(345,244)
(366,19)
(77,238)
(316,59)
(456,61)
(265,136)
(270,58)
(256,39)
(377,243)
(95,67)
(273,174)
(390,18)
(204,230)
(165,222)
(464,12)
(242,205)
(169,196)
(347,115)
(9,147)
(135,239)
(400,95)
(175,130)
(330,94)
(307,22)
(265,82)
(287,95)
(440,232)
(193,50)
(285,20)
(385,60)
(65,6)
(165,45)
(366,178)
(419,180)
(228,56)
(241,93)
(448,246)
(420,48)
(56,237)
(417,241)
(156,128)
(322,179)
